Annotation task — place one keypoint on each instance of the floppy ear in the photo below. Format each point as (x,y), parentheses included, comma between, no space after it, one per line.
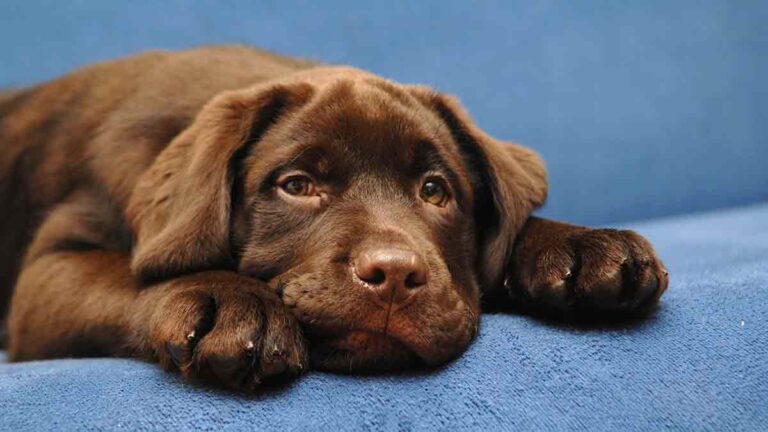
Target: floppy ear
(180,208)
(509,181)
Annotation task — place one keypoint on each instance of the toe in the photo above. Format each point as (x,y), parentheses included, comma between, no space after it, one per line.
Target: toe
(283,350)
(645,282)
(603,291)
(176,338)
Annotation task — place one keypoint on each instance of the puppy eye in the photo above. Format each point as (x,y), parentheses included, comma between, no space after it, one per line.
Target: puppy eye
(434,192)
(299,186)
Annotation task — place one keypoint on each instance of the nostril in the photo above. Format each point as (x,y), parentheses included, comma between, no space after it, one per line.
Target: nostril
(414,280)
(376,277)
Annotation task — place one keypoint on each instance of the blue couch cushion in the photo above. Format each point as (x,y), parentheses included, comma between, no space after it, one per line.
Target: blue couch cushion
(700,363)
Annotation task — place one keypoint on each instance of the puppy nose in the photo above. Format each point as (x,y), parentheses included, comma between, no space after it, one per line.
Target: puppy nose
(392,274)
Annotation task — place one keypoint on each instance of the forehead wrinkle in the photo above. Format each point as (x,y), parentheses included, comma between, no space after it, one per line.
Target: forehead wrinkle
(347,100)
(369,128)
(393,91)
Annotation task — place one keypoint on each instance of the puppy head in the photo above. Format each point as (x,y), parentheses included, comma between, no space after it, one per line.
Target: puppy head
(375,210)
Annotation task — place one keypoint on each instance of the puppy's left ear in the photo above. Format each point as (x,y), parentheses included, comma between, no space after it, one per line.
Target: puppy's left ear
(509,182)
(180,209)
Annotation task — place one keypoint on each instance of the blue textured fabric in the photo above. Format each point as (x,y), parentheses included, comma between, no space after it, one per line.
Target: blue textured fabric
(661,106)
(701,363)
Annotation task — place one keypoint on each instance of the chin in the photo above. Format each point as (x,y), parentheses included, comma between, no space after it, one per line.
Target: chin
(361,352)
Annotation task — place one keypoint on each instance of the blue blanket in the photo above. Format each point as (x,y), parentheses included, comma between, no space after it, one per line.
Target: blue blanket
(700,363)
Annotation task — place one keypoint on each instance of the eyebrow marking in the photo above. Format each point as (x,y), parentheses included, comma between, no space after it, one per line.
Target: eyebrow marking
(316,162)
(276,170)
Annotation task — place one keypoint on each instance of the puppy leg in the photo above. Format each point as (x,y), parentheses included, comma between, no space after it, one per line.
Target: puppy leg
(75,299)
(563,267)
(71,304)
(74,286)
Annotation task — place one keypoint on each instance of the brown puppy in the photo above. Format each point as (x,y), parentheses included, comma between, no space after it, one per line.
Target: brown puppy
(236,215)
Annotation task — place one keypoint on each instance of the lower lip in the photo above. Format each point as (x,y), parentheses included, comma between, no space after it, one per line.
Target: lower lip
(357,339)
(373,335)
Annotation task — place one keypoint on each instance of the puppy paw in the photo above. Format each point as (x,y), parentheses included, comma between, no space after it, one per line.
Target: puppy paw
(238,336)
(582,269)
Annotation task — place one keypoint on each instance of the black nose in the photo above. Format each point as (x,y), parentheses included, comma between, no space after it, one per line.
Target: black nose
(393,275)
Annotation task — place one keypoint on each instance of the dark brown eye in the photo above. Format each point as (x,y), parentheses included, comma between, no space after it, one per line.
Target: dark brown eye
(434,192)
(299,186)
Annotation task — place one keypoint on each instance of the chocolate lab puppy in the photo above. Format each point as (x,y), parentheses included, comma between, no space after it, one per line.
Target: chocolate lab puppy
(239,217)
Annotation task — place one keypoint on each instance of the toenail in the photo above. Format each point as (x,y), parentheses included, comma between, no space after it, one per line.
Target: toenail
(508,282)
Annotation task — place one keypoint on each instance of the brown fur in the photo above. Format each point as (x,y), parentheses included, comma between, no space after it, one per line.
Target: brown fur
(141,216)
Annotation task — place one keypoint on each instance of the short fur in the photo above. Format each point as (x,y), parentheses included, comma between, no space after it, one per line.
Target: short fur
(142,217)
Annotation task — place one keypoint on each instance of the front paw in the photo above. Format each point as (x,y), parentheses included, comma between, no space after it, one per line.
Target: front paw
(603,270)
(230,332)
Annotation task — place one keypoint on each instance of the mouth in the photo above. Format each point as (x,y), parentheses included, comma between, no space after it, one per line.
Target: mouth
(359,336)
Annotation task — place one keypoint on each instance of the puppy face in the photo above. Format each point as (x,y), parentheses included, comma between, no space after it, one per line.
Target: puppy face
(359,211)
(376,211)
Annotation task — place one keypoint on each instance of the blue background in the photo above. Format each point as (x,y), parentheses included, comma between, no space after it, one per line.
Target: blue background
(640,109)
